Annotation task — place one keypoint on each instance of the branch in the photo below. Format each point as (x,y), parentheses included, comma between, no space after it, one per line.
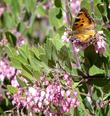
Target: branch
(68,14)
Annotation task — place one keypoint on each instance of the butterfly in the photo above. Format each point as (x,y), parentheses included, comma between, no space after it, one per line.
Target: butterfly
(83,27)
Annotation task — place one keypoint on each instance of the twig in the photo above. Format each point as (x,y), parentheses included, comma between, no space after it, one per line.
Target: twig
(68,14)
(84,94)
(61,66)
(100,76)
(75,55)
(92,5)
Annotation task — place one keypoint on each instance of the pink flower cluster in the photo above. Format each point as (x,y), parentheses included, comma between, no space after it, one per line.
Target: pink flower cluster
(65,37)
(49,97)
(20,39)
(3,42)
(100,44)
(6,71)
(75,6)
(9,72)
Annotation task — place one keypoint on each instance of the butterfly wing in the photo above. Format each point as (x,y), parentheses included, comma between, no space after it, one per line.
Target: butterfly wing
(83,26)
(83,21)
(85,36)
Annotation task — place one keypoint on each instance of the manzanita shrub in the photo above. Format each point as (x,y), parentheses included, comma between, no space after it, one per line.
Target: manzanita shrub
(42,71)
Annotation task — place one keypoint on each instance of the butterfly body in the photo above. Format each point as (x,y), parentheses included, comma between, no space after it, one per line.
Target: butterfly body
(83,27)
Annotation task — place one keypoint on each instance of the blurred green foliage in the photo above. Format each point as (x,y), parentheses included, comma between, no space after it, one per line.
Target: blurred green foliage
(44,50)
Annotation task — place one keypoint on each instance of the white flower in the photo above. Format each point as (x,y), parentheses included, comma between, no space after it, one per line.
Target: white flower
(32,91)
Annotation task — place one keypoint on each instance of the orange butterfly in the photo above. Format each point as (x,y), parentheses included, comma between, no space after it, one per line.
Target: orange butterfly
(83,27)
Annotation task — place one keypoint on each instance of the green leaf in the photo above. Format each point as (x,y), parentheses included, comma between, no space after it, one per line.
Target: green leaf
(28,76)
(30,5)
(45,68)
(35,64)
(41,11)
(100,80)
(57,42)
(53,17)
(106,91)
(15,6)
(11,38)
(61,30)
(81,108)
(41,50)
(88,105)
(24,51)
(101,7)
(15,62)
(90,56)
(27,68)
(59,15)
(54,55)
(107,34)
(49,48)
(8,20)
(1,110)
(63,53)
(36,52)
(21,82)
(95,70)
(21,27)
(12,89)
(8,1)
(107,2)
(97,93)
(58,3)
(42,54)
(11,51)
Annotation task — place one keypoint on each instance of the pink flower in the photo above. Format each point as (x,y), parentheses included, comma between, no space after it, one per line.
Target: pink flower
(6,70)
(43,93)
(20,38)
(65,21)
(14,82)
(77,103)
(65,109)
(69,82)
(39,104)
(62,92)
(32,91)
(47,5)
(2,77)
(42,78)
(66,76)
(41,98)
(75,6)
(46,82)
(75,93)
(3,42)
(68,93)
(65,37)
(73,101)
(100,43)
(76,49)
(46,102)
(2,9)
